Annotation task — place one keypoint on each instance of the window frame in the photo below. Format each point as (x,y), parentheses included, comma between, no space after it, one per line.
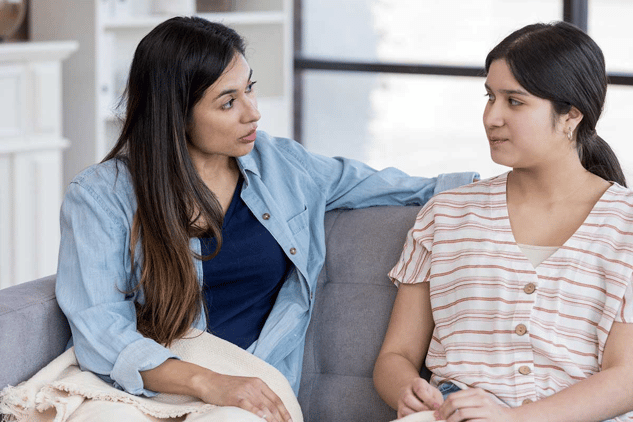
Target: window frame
(574,11)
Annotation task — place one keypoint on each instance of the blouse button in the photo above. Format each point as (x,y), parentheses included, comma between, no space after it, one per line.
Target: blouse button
(527,401)
(293,251)
(520,329)
(266,216)
(524,370)
(529,288)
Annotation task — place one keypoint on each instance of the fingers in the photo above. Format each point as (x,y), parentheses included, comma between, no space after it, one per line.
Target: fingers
(263,402)
(251,394)
(428,394)
(279,410)
(470,404)
(458,404)
(417,397)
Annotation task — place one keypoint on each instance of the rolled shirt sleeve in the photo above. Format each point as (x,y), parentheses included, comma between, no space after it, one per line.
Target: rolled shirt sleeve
(94,286)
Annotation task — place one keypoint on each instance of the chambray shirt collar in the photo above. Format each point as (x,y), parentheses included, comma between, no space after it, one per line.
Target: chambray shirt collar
(247,163)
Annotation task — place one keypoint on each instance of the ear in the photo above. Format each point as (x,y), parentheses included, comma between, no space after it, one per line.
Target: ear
(573,118)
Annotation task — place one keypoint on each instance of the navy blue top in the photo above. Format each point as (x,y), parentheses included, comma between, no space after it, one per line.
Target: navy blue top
(242,281)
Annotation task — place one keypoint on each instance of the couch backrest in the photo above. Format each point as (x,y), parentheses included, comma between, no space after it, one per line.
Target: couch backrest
(352,308)
(353,303)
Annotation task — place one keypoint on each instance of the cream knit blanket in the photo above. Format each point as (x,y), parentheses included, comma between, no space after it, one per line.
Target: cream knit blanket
(62,386)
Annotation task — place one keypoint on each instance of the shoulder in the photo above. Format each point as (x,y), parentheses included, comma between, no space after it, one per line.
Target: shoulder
(104,186)
(107,173)
(280,148)
(482,191)
(619,201)
(622,194)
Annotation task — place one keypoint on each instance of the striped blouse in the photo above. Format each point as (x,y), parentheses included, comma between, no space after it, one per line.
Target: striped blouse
(519,332)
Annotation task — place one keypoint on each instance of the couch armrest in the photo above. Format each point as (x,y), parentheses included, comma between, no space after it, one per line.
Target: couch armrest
(33,330)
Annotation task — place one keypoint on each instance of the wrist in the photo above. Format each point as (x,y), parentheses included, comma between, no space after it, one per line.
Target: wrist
(202,384)
(517,414)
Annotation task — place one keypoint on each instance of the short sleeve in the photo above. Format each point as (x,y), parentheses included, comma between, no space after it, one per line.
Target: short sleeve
(414,265)
(625,314)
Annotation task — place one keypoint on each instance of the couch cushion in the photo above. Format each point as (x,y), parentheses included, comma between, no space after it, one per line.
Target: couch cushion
(353,302)
(33,330)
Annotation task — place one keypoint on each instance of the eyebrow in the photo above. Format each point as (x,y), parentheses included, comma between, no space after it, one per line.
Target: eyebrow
(232,90)
(508,91)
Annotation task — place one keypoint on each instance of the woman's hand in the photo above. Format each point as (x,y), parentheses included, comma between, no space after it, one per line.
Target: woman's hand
(473,404)
(248,393)
(252,394)
(418,396)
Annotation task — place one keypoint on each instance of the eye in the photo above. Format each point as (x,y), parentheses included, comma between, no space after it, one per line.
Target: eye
(491,97)
(228,104)
(514,102)
(249,87)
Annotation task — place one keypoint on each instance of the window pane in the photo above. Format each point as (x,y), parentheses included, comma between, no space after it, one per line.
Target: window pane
(609,22)
(424,125)
(614,126)
(452,32)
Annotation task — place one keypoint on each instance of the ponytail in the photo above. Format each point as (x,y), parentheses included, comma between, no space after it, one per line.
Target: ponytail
(598,158)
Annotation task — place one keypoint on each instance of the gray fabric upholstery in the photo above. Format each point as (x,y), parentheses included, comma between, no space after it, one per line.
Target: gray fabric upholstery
(33,330)
(353,303)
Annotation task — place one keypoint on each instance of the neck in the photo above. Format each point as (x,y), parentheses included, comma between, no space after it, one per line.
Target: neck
(217,172)
(549,183)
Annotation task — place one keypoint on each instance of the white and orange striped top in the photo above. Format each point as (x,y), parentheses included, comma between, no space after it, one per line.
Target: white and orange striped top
(519,332)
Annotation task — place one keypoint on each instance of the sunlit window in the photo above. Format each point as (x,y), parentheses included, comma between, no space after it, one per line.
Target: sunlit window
(431,124)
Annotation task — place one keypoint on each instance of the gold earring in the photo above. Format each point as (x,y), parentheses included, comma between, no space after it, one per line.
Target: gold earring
(570,134)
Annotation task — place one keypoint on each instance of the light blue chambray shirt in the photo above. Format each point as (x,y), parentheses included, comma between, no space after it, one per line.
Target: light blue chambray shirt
(290,186)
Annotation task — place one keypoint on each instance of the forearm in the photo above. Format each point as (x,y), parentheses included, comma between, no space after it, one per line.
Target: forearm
(178,377)
(602,396)
(392,373)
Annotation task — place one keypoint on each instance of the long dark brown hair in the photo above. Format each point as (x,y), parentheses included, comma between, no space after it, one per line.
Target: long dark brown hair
(172,67)
(562,64)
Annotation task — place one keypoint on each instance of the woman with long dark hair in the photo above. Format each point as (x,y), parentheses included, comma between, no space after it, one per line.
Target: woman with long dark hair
(516,291)
(196,219)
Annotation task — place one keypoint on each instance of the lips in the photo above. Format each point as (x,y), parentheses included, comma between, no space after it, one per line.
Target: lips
(251,136)
(496,141)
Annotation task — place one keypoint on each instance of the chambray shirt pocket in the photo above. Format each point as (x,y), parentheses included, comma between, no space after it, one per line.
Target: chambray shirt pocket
(300,221)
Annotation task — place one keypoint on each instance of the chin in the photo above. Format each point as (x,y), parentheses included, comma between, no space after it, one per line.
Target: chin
(502,161)
(245,149)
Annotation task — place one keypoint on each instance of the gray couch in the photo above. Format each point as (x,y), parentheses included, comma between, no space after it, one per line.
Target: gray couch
(354,299)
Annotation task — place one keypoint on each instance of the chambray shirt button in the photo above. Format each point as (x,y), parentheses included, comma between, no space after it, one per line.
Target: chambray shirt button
(266,216)
(520,329)
(293,251)
(525,370)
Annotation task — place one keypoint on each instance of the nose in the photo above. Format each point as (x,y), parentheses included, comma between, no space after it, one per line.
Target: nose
(252,113)
(493,115)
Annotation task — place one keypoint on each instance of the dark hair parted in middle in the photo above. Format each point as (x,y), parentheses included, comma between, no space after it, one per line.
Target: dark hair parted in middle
(172,67)
(562,64)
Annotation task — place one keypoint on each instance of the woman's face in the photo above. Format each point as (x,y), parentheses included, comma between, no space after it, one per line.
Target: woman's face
(225,119)
(522,129)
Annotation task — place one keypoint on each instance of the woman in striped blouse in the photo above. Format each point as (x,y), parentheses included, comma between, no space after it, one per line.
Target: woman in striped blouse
(517,289)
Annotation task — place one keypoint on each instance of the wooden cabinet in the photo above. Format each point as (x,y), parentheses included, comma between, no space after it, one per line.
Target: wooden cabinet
(108,32)
(31,146)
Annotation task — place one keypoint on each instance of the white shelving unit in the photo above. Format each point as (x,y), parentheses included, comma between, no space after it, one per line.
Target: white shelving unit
(108,32)
(31,146)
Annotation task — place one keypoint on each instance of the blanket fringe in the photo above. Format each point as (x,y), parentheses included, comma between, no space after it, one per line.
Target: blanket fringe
(152,409)
(13,404)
